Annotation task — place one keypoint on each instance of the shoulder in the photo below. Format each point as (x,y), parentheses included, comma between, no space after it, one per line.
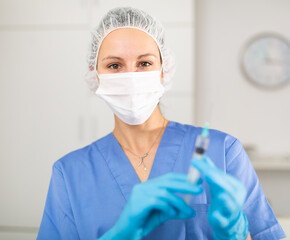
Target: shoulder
(81,156)
(216,136)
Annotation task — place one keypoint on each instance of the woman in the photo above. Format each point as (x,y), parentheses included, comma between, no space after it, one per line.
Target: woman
(130,183)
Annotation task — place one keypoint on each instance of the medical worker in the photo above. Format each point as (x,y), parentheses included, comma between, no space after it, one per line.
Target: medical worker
(131,183)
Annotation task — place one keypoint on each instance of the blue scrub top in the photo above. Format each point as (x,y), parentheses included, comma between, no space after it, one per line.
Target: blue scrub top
(90,187)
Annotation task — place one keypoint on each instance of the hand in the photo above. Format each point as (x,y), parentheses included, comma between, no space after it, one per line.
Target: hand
(152,203)
(228,194)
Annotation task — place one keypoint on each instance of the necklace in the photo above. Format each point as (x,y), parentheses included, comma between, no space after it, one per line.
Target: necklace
(141,157)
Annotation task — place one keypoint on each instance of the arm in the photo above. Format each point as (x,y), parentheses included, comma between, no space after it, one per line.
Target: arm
(57,221)
(262,221)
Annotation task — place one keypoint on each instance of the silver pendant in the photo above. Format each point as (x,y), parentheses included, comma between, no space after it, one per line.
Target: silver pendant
(142,158)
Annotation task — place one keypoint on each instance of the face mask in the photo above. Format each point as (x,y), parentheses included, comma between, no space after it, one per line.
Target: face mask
(132,96)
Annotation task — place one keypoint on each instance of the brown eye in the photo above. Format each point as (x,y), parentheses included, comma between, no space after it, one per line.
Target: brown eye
(114,66)
(145,64)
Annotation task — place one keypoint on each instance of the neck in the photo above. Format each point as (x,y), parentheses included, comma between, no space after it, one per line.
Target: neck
(139,138)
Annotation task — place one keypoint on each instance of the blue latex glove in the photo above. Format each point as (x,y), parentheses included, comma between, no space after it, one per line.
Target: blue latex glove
(228,194)
(152,203)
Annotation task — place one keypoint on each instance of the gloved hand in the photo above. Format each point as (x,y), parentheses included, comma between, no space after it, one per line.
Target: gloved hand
(152,203)
(228,194)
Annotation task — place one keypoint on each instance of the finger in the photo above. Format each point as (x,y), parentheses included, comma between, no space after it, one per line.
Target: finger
(209,161)
(235,183)
(176,182)
(178,177)
(160,213)
(199,181)
(173,176)
(227,205)
(182,187)
(182,209)
(214,176)
(217,220)
(147,193)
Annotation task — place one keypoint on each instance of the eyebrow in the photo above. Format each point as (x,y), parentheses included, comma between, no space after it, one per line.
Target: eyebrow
(119,58)
(147,55)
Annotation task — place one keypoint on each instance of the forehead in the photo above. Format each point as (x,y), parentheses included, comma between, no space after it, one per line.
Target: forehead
(128,42)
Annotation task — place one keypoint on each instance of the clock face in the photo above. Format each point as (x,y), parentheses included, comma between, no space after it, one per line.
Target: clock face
(266,61)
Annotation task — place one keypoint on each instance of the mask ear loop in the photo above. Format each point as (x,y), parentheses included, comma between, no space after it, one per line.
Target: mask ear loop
(97,74)
(161,74)
(162,61)
(98,77)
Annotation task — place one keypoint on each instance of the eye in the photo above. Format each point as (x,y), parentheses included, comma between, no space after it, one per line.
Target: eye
(114,66)
(145,64)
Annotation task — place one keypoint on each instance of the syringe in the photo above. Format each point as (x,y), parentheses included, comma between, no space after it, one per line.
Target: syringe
(201,144)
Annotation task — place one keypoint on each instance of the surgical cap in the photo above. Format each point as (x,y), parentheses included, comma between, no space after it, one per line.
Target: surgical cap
(127,17)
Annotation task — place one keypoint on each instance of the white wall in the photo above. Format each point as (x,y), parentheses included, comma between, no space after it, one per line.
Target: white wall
(46,107)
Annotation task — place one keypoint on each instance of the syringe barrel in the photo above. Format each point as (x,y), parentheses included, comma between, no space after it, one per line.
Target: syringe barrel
(193,174)
(200,146)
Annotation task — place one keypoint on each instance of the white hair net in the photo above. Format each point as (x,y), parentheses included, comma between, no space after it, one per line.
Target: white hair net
(127,17)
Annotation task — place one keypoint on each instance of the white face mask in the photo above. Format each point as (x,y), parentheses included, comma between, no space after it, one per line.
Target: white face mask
(132,96)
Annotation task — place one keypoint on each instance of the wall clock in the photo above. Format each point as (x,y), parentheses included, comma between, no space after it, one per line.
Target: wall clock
(266,61)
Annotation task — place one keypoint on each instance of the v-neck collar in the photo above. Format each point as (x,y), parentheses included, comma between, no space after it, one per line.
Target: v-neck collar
(164,161)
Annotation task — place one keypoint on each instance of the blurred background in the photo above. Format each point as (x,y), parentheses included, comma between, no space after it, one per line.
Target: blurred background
(47,109)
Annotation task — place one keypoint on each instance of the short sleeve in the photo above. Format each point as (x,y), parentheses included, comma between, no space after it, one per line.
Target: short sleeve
(57,221)
(262,221)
